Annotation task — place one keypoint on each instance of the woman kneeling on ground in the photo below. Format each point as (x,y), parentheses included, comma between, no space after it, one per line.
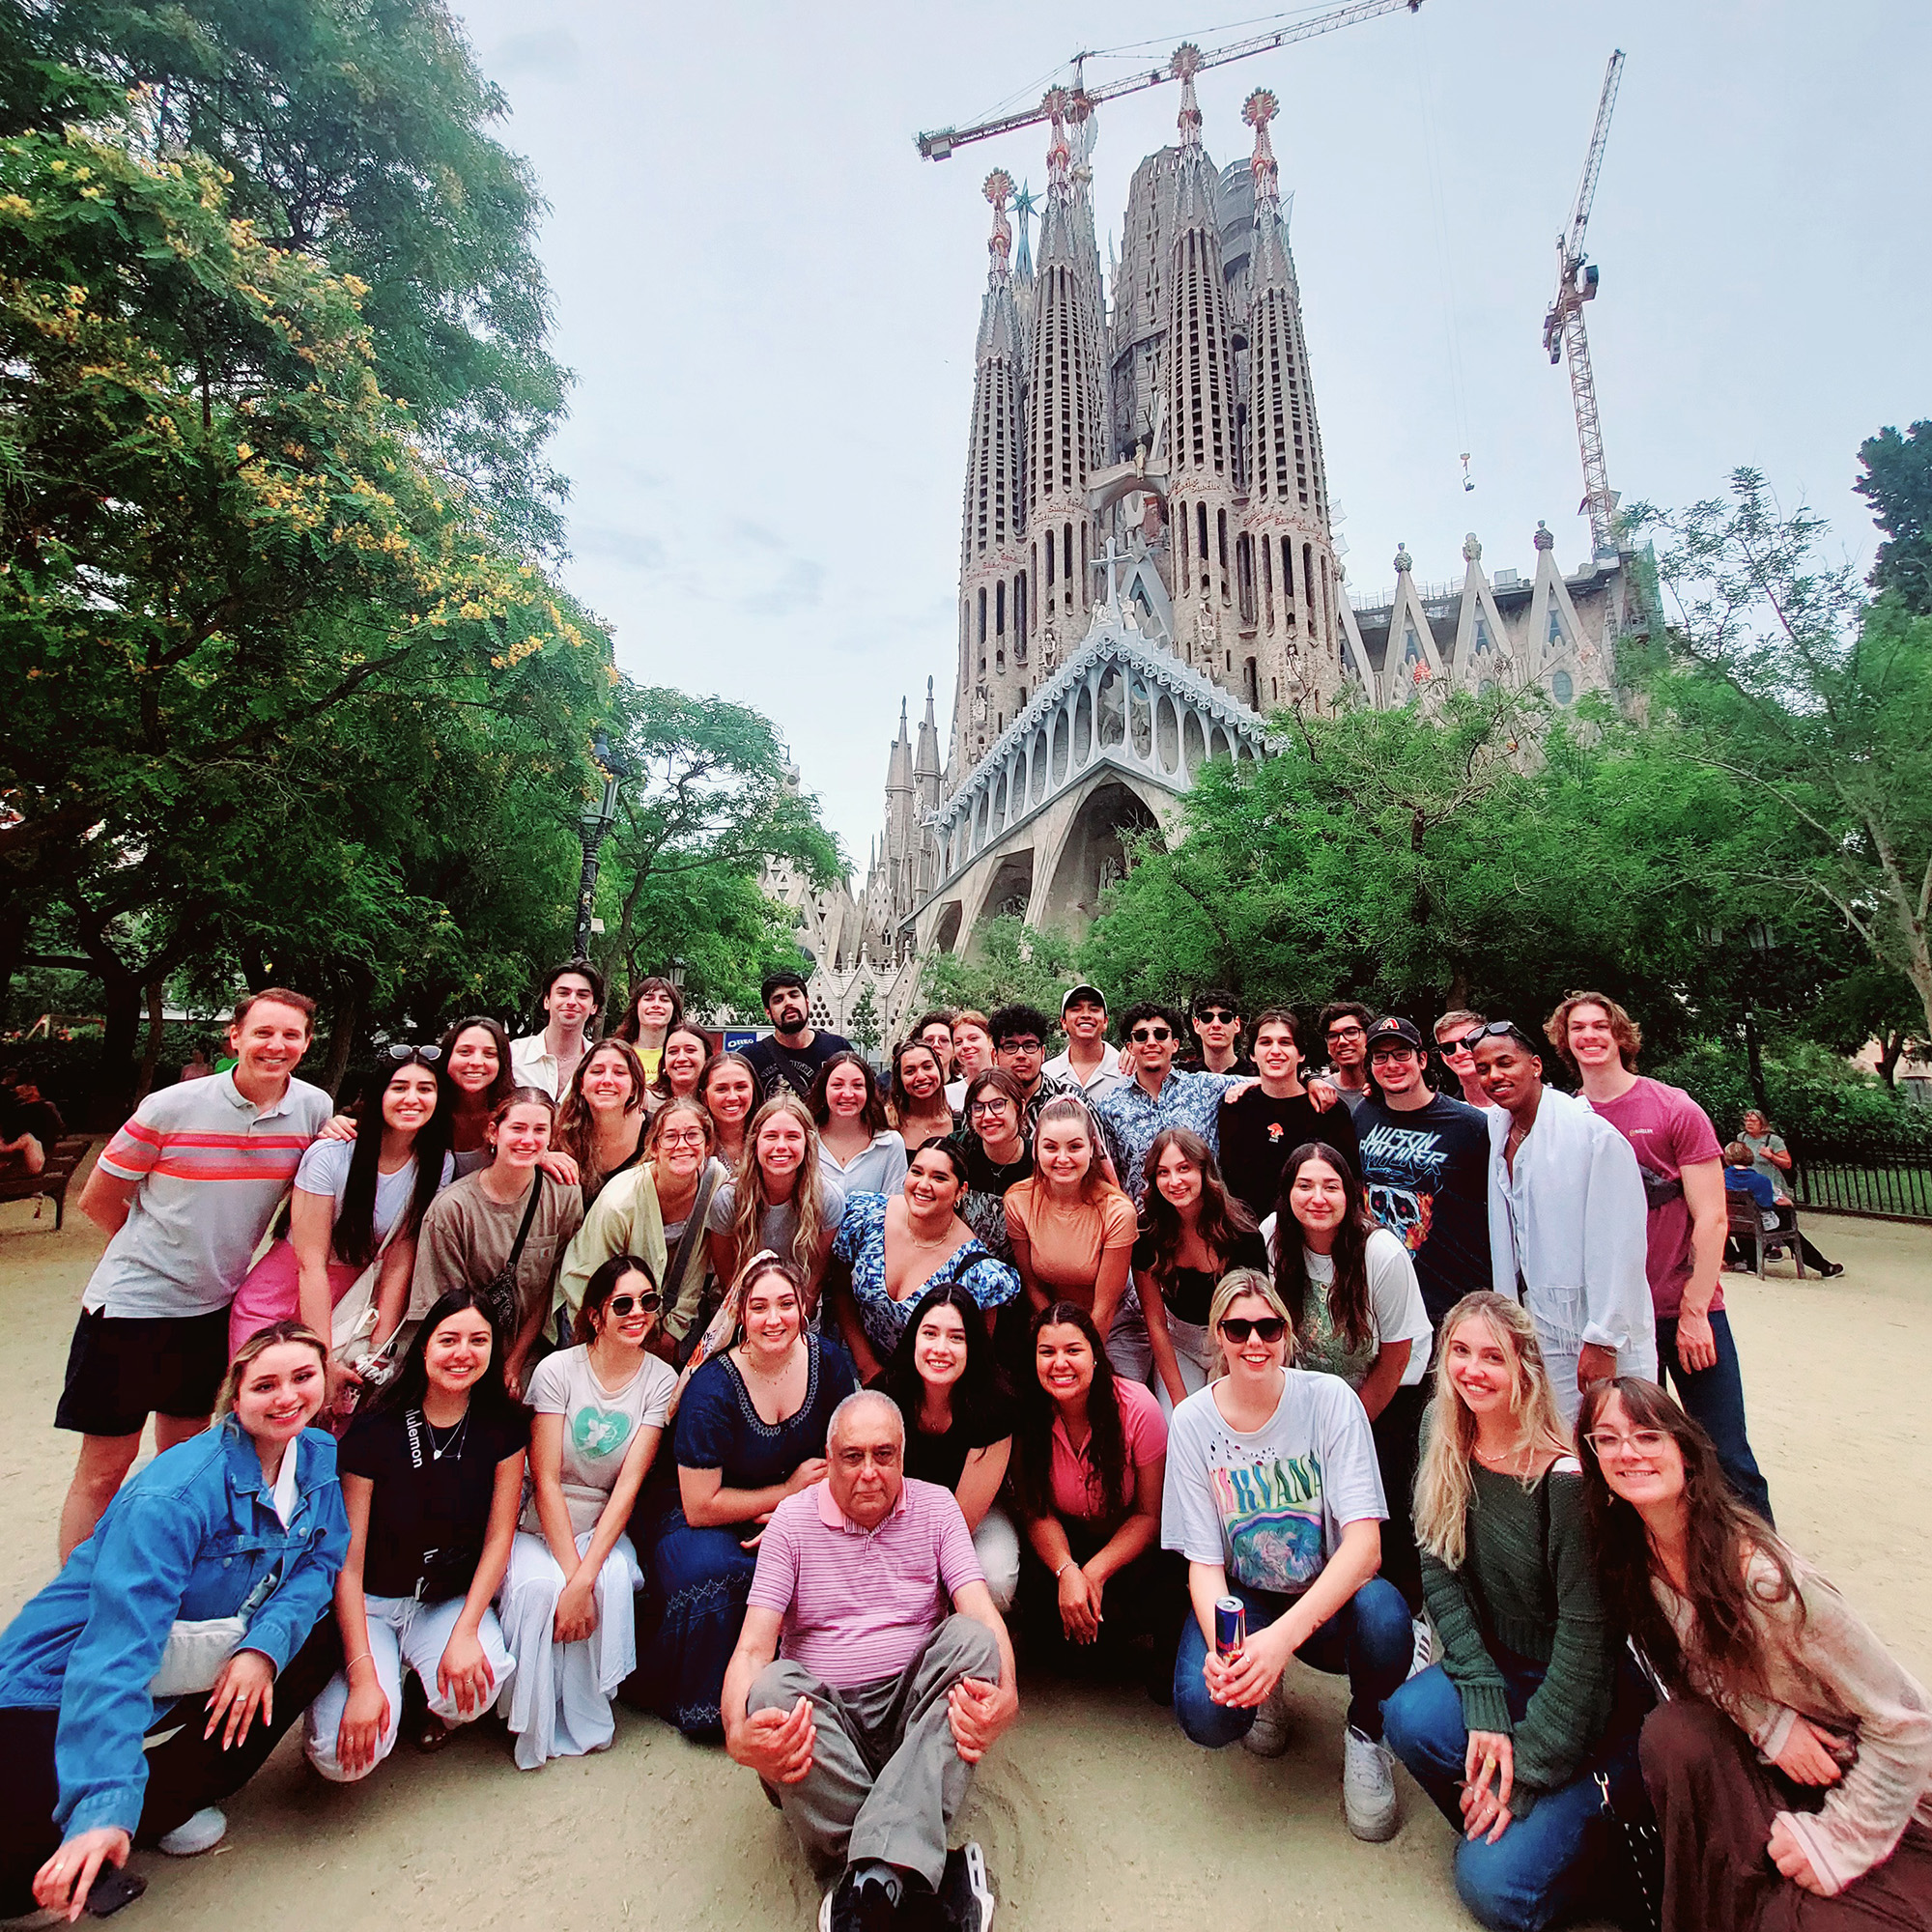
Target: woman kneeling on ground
(1792,1772)
(1509,1733)
(566,1606)
(750,1432)
(960,1422)
(432,1477)
(1273,1497)
(244,1520)
(1092,1456)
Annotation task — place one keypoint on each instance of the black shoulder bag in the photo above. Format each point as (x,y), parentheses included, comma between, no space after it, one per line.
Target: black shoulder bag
(500,1291)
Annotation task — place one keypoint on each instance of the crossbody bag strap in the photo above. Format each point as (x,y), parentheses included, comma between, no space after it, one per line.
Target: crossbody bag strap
(692,1241)
(524,1232)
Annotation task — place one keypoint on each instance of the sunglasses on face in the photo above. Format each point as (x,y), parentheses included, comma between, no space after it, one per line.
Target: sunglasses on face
(1461,1044)
(621,1305)
(401,1049)
(1141,1035)
(1217,1016)
(1238,1327)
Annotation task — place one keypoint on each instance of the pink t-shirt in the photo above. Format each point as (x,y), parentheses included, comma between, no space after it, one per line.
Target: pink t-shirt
(1669,1132)
(1145,1431)
(860,1604)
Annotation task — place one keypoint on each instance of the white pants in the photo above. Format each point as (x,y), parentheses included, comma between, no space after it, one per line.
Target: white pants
(996,1543)
(403,1630)
(558,1703)
(1194,1355)
(1555,1313)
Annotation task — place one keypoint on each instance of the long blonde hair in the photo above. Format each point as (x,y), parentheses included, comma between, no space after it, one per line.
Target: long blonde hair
(1443,1484)
(1233,1285)
(748,1199)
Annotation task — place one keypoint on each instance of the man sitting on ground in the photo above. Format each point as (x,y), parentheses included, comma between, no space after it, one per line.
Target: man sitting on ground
(868,1729)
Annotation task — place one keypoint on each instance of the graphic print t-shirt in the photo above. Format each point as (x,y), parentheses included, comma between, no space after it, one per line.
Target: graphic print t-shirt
(598,1425)
(1428,1180)
(1271,1504)
(1258,1133)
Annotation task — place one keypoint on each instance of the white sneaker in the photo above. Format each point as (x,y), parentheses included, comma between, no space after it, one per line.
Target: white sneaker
(1368,1787)
(1268,1735)
(1424,1653)
(197,1834)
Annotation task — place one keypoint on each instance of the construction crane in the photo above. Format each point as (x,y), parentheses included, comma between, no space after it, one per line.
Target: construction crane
(1563,327)
(1077,103)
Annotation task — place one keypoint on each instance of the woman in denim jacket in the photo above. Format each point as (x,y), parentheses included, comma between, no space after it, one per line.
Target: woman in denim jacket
(246,1519)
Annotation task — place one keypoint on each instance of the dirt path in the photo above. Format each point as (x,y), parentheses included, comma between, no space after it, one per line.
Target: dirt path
(1094,1812)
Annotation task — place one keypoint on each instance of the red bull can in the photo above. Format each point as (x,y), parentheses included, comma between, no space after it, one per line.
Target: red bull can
(1230,1626)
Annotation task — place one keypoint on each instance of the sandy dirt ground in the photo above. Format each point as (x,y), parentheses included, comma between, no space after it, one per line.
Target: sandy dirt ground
(1093,1811)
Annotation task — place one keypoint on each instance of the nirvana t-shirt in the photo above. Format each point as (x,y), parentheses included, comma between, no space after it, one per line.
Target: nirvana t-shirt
(942,1459)
(599,1425)
(1258,1134)
(1427,1175)
(1271,1504)
(1669,1132)
(1188,1294)
(780,1066)
(429,1506)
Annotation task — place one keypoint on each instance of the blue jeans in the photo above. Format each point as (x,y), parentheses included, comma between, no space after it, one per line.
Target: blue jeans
(1715,1398)
(1566,1857)
(1369,1638)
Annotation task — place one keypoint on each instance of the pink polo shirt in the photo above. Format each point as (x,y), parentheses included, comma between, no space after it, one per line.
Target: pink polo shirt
(860,1604)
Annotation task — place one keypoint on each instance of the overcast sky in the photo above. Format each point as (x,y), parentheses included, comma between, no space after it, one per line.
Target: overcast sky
(770,300)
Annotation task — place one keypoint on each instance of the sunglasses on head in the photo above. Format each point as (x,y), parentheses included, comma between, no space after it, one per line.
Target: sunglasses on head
(401,1049)
(1238,1327)
(1140,1034)
(621,1305)
(1497,1029)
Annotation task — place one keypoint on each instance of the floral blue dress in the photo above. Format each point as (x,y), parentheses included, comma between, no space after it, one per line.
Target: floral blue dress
(700,1578)
(861,1244)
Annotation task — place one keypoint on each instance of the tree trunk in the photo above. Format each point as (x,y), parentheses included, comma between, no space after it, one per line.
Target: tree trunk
(114,1072)
(344,1013)
(1892,1048)
(13,943)
(151,1059)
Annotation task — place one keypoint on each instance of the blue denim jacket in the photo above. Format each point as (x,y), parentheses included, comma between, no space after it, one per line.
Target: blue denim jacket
(190,1536)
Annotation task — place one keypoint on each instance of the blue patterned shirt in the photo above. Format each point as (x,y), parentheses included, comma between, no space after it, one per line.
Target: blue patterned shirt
(1130,1120)
(861,1243)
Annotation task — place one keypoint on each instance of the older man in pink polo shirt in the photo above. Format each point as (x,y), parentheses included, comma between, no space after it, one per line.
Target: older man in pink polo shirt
(896,1673)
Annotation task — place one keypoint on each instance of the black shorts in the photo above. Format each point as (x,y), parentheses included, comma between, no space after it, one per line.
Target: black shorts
(123,1369)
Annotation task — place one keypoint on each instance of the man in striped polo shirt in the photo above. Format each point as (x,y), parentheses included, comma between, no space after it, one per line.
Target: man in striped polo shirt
(186,1190)
(869,1727)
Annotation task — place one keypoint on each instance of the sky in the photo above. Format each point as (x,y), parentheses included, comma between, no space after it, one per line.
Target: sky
(770,300)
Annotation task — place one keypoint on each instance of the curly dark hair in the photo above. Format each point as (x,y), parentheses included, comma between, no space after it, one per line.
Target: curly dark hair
(1110,1476)
(1220,1220)
(1723,1535)
(1350,1309)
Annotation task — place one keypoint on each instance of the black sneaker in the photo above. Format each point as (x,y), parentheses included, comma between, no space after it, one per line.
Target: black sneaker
(966,1892)
(852,1906)
(1834,1269)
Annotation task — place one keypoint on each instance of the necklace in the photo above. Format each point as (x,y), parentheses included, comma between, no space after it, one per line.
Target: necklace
(751,1368)
(454,1446)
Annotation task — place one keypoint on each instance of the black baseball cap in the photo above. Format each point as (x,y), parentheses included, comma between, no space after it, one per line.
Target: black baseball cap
(1391,1028)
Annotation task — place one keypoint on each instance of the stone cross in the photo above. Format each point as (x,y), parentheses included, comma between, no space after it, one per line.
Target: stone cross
(1109,561)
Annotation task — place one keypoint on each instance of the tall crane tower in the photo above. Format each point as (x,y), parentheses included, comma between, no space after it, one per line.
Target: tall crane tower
(1563,331)
(1078,102)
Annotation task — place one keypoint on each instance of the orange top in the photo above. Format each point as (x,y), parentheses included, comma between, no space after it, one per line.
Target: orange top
(1068,1242)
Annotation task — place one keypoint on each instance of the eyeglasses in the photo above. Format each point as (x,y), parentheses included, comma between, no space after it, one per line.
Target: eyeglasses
(621,1305)
(1401,1051)
(1141,1035)
(996,1104)
(1642,1441)
(1027,1045)
(1238,1327)
(1217,1015)
(401,1049)
(687,1137)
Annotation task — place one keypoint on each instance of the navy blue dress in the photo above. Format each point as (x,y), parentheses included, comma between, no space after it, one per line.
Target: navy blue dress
(700,1578)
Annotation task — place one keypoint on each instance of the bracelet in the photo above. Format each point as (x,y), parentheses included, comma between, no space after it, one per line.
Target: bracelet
(1069,1564)
(349,1663)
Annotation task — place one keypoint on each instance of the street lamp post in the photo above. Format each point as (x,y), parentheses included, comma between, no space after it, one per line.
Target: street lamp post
(594,823)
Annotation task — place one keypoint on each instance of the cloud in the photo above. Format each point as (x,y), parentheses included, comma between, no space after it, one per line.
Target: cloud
(545,56)
(633,547)
(799,588)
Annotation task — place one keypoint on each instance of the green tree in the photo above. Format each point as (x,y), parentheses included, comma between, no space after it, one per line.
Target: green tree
(864,1027)
(357,134)
(1779,675)
(1013,963)
(1897,483)
(711,801)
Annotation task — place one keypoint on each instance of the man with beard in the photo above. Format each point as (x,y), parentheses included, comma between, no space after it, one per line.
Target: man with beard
(795,1050)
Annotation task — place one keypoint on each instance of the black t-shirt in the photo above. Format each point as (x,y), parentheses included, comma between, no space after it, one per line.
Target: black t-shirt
(1197,1063)
(428,1514)
(1258,1134)
(780,1065)
(942,1459)
(1428,1180)
(1188,1294)
(984,1177)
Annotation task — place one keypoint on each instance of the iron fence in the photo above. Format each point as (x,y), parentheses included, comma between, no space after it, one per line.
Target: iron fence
(1890,1178)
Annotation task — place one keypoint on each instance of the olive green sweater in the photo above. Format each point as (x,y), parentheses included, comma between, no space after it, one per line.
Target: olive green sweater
(1526,1585)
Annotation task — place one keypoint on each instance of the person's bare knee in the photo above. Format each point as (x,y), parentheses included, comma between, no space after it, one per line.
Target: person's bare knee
(171,1429)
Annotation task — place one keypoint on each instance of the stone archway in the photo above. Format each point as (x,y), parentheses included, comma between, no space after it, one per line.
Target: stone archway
(1092,855)
(1009,892)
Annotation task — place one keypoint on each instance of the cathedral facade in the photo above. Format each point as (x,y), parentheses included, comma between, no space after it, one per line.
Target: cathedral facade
(1149,568)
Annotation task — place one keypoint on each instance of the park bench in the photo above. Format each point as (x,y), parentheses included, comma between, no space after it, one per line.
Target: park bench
(51,1183)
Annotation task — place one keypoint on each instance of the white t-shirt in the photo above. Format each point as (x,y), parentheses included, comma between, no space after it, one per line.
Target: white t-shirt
(324,1169)
(1395,1295)
(1271,1504)
(599,1424)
